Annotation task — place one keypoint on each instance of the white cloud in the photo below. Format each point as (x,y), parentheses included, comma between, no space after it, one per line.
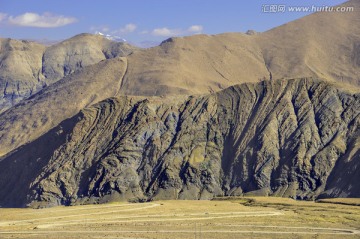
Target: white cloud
(166,32)
(195,28)
(105,29)
(46,20)
(100,28)
(128,28)
(3,16)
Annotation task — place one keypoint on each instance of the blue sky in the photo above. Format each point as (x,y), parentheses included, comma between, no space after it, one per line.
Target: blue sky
(141,20)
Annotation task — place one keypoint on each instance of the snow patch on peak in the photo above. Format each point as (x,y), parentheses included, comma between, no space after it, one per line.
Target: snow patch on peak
(110,37)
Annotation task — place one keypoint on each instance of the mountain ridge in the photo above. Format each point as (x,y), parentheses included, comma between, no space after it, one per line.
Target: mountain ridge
(307,47)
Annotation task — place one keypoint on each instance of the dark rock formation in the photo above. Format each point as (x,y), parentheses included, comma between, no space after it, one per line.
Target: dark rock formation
(292,138)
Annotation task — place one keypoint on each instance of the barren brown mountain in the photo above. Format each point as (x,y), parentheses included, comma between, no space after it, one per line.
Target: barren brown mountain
(19,70)
(310,46)
(324,44)
(27,67)
(96,120)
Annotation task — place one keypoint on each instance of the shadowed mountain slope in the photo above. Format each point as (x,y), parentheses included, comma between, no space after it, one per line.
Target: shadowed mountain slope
(42,111)
(286,138)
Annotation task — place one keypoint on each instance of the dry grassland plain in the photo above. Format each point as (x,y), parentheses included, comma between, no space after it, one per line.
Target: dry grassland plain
(258,217)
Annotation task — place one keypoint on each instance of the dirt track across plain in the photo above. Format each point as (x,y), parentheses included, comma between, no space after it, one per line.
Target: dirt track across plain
(264,217)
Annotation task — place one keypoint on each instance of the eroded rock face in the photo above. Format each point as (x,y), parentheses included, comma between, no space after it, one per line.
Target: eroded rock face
(294,138)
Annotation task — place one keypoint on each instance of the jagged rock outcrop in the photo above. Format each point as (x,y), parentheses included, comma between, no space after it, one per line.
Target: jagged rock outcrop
(27,67)
(296,138)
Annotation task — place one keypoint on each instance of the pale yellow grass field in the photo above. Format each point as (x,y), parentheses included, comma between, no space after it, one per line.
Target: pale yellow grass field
(235,218)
